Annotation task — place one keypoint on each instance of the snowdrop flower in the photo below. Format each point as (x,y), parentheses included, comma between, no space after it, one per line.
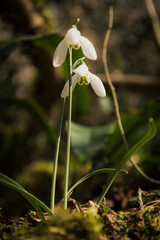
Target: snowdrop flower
(74,40)
(83,76)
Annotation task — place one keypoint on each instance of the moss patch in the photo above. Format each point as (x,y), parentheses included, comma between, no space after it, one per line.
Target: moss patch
(91,223)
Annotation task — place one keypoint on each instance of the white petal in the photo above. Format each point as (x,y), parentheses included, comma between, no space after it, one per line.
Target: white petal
(82,70)
(60,54)
(72,36)
(97,85)
(88,48)
(65,91)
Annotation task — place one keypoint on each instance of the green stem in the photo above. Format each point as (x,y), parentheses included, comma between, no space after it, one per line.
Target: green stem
(53,187)
(69,132)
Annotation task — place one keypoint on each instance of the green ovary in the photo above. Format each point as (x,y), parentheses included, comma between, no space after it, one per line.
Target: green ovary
(83,80)
(77,46)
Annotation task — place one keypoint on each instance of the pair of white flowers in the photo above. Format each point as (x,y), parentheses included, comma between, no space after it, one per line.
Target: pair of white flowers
(82,75)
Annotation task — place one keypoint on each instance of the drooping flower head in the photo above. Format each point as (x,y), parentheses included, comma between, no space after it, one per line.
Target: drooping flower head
(83,76)
(74,40)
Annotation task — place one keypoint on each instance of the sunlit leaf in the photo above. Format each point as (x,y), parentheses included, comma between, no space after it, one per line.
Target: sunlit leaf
(87,140)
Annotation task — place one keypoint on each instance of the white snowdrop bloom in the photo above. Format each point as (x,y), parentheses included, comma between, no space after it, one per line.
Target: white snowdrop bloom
(83,76)
(73,39)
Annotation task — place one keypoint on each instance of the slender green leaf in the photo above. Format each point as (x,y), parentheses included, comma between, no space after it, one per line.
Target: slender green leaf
(4,180)
(23,192)
(149,135)
(91,174)
(133,123)
(9,180)
(35,205)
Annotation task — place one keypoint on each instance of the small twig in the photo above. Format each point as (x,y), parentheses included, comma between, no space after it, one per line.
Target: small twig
(154,193)
(76,204)
(104,59)
(154,18)
(139,197)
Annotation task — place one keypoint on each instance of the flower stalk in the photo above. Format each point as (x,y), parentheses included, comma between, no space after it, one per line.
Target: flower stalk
(76,22)
(53,186)
(66,177)
(74,40)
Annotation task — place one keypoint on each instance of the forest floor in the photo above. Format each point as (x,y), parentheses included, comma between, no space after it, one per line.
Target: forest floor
(90,222)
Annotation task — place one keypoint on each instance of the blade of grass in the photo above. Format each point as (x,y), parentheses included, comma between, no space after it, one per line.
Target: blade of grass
(4,177)
(4,180)
(91,174)
(56,156)
(149,135)
(35,205)
(24,193)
